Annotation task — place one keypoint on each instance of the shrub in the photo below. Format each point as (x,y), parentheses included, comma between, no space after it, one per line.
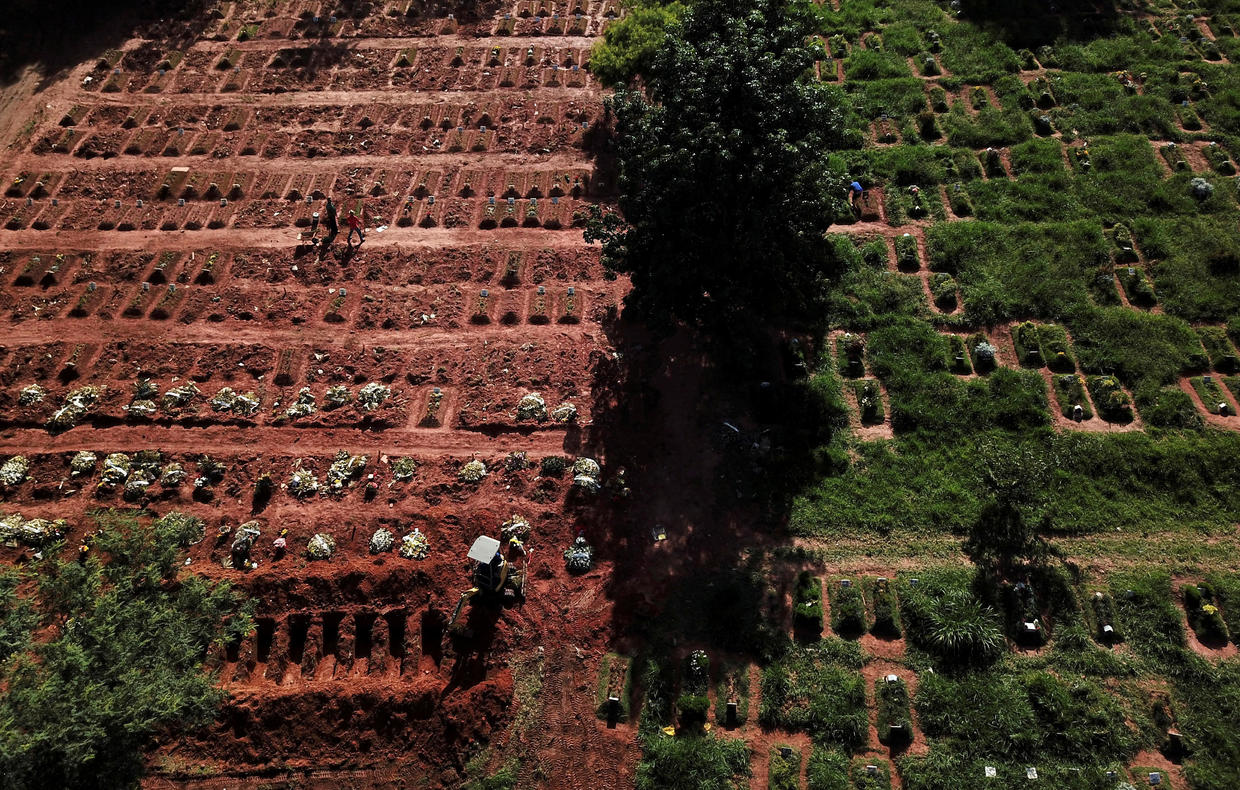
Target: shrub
(691,762)
(692,709)
(629,45)
(944,618)
(82,702)
(784,773)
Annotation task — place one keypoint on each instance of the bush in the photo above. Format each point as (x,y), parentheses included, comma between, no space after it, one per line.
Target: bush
(944,618)
(126,664)
(629,45)
(692,709)
(784,773)
(701,762)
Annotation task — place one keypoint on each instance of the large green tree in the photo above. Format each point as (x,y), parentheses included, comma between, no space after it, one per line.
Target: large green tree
(106,653)
(725,188)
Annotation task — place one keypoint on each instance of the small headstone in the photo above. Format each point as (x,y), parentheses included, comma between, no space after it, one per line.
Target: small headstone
(1108,630)
(116,204)
(180,201)
(1031,627)
(1155,779)
(571,290)
(146,286)
(223,201)
(990,772)
(1031,773)
(1078,413)
(785,752)
(871,770)
(309,199)
(512,201)
(912,582)
(541,290)
(139,204)
(491,201)
(845,583)
(1207,379)
(1112,775)
(431,200)
(893,679)
(1222,409)
(484,293)
(29,201)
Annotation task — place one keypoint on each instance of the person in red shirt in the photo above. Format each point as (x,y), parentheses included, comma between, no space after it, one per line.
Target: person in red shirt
(355,226)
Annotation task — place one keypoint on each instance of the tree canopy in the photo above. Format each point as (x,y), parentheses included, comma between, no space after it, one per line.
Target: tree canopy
(725,188)
(105,653)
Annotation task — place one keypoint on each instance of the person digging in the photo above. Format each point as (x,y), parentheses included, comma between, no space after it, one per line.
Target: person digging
(355,226)
(855,192)
(333,228)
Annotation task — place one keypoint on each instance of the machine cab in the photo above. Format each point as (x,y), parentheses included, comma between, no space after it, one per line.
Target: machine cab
(491,567)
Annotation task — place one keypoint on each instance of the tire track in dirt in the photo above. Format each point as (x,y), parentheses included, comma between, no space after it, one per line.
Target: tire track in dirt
(228,439)
(265,238)
(317,164)
(327,335)
(577,756)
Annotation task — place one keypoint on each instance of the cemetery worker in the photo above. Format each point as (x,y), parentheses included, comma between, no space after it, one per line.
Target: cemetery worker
(330,220)
(355,226)
(856,191)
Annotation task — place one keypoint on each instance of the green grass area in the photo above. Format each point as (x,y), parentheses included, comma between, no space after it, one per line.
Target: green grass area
(817,689)
(1086,254)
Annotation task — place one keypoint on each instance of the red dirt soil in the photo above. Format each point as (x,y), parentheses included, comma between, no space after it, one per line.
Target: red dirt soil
(154,224)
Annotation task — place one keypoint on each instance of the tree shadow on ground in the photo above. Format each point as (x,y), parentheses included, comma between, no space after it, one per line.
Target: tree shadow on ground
(58,36)
(715,443)
(1032,23)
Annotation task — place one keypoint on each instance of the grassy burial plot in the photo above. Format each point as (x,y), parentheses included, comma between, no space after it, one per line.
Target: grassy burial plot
(894,721)
(848,615)
(1202,605)
(1211,394)
(885,607)
(807,612)
(614,688)
(732,694)
(818,689)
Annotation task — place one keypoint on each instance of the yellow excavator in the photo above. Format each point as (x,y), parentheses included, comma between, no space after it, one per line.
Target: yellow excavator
(494,575)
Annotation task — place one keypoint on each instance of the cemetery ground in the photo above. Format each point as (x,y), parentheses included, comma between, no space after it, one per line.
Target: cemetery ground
(778,596)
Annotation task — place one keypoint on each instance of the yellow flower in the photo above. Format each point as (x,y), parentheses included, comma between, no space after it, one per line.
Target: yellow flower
(1209,608)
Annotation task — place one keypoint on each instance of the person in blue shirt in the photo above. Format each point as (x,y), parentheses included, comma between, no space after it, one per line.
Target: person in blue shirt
(855,193)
